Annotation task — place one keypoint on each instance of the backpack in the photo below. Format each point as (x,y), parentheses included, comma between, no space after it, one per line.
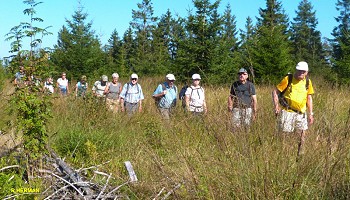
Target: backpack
(183,91)
(234,87)
(281,98)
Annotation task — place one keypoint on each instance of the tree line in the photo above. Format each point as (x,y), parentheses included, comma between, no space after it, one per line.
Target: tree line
(205,42)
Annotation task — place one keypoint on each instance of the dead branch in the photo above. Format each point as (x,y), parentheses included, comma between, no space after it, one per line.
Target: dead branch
(72,185)
(9,167)
(104,187)
(171,191)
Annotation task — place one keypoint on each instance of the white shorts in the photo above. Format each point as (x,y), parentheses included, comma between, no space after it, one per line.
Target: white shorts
(241,116)
(292,120)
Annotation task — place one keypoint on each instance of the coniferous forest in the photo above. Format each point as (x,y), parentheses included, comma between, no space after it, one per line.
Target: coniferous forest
(66,147)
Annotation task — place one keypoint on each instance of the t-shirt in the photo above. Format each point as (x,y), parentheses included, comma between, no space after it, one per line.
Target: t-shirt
(296,94)
(82,87)
(99,88)
(196,98)
(169,99)
(62,83)
(242,93)
(49,86)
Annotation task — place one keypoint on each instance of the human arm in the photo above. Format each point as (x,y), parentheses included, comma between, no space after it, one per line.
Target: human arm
(106,91)
(309,104)
(275,101)
(255,106)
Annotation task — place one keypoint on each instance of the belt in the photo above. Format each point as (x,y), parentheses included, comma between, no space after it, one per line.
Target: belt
(296,111)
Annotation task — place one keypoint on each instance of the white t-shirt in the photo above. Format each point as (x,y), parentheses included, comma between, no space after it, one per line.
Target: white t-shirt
(196,98)
(62,83)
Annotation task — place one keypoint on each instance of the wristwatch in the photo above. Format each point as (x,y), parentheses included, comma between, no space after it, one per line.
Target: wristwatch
(311,113)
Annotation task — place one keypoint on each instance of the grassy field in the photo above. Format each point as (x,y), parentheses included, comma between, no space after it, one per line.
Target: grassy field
(206,160)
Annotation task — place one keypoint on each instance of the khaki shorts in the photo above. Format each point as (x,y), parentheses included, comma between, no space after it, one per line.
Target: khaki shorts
(292,120)
(241,116)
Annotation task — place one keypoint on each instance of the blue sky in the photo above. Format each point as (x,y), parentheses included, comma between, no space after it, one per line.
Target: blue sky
(108,15)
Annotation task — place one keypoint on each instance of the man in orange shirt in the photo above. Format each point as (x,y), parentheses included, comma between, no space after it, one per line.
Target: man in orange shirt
(295,101)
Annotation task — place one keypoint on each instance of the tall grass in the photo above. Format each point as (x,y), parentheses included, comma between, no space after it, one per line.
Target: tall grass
(207,158)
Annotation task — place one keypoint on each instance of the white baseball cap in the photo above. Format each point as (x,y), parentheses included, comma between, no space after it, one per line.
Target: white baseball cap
(134,76)
(196,76)
(302,66)
(115,75)
(170,77)
(104,78)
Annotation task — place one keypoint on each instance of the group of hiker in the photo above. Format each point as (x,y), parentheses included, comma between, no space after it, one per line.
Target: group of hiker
(292,97)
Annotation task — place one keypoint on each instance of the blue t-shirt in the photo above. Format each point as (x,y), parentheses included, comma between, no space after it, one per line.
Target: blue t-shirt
(169,99)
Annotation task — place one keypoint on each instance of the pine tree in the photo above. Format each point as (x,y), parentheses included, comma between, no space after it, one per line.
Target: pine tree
(143,24)
(341,42)
(78,50)
(248,40)
(224,62)
(306,40)
(272,58)
(197,50)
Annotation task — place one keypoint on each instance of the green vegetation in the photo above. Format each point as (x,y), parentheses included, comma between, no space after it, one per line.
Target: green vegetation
(196,159)
(207,159)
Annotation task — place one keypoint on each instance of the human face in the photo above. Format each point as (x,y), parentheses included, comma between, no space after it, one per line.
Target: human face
(171,82)
(300,74)
(133,81)
(196,82)
(242,76)
(63,76)
(115,79)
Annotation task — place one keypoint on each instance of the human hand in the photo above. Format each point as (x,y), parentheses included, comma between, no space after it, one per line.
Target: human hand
(311,119)
(164,92)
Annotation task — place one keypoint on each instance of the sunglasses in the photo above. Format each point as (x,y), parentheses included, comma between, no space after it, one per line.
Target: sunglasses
(134,79)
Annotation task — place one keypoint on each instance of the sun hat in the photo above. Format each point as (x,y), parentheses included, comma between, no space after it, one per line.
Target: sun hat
(115,75)
(242,70)
(196,76)
(134,76)
(83,78)
(170,77)
(302,66)
(104,78)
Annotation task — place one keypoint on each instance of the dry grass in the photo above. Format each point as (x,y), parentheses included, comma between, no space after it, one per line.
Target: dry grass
(207,159)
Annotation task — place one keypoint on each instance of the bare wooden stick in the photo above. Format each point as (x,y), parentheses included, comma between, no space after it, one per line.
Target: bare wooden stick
(9,167)
(159,193)
(62,188)
(53,174)
(171,191)
(104,187)
(117,188)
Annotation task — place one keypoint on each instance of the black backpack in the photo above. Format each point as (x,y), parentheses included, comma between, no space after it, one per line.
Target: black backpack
(281,98)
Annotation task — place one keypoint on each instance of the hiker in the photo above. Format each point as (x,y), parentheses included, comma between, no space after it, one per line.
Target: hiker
(48,86)
(242,100)
(165,96)
(294,94)
(19,76)
(62,85)
(81,87)
(112,91)
(99,87)
(195,98)
(131,96)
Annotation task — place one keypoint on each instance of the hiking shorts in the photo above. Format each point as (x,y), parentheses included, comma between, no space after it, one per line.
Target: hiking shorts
(241,116)
(292,120)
